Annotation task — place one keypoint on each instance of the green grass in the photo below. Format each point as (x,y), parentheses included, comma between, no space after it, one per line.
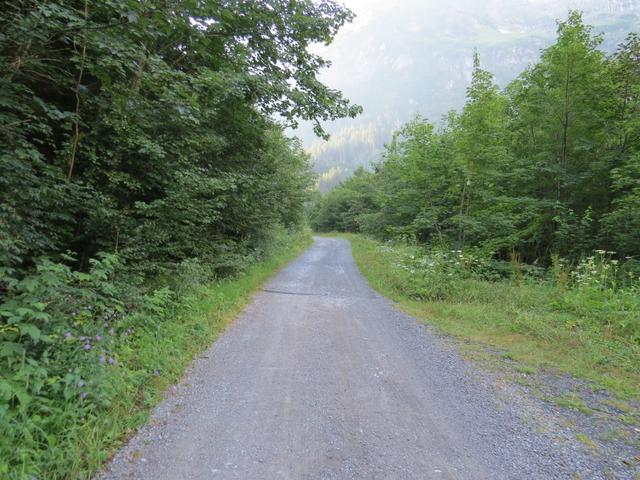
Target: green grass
(587,441)
(196,320)
(617,435)
(514,317)
(572,402)
(526,369)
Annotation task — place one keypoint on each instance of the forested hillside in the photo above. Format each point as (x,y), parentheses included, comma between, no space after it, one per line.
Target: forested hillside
(550,165)
(515,225)
(139,159)
(412,57)
(351,147)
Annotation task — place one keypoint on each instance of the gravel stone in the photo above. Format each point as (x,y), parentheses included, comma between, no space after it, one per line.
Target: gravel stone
(322,378)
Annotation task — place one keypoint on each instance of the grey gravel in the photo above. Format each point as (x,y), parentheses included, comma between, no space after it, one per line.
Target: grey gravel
(322,378)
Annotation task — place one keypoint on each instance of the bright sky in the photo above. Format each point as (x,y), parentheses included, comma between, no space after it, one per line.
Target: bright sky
(364,9)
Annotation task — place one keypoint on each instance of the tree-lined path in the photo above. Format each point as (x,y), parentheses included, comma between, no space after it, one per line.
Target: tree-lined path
(321,377)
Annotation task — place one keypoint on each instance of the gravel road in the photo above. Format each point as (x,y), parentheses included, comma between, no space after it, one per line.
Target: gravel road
(322,378)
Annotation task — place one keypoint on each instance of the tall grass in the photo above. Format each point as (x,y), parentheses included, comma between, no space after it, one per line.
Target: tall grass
(582,319)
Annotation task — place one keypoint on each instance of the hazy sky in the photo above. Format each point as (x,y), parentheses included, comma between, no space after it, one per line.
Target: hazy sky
(401,57)
(370,12)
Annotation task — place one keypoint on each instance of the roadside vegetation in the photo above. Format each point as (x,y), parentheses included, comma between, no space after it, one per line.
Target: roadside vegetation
(145,189)
(517,220)
(108,353)
(549,166)
(571,320)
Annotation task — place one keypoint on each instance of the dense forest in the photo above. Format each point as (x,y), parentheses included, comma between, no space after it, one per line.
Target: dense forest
(412,57)
(549,165)
(138,146)
(337,159)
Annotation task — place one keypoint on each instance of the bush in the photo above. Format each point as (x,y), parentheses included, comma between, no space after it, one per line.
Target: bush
(598,292)
(82,354)
(436,274)
(603,293)
(62,335)
(56,347)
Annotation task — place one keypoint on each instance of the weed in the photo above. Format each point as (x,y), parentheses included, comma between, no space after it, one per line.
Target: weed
(587,441)
(617,435)
(552,321)
(573,402)
(98,365)
(527,370)
(629,419)
(522,381)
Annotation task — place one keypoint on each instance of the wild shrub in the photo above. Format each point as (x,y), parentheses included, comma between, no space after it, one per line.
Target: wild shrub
(604,293)
(598,292)
(83,352)
(57,348)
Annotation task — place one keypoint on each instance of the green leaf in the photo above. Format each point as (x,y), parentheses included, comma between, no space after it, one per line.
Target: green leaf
(30,330)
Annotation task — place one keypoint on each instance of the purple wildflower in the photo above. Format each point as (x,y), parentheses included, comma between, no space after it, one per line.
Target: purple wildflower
(101,359)
(111,360)
(84,395)
(87,346)
(67,335)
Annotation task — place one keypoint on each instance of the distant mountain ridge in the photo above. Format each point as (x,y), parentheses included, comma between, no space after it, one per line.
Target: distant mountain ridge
(414,56)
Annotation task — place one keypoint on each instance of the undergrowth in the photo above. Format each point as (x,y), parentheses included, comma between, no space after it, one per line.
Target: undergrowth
(580,319)
(84,356)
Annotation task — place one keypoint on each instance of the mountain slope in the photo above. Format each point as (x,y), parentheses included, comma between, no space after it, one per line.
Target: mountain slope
(413,56)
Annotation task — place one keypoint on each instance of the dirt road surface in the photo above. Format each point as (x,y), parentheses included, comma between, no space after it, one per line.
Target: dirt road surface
(322,378)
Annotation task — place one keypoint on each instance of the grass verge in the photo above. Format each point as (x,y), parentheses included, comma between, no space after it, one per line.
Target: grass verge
(157,357)
(516,318)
